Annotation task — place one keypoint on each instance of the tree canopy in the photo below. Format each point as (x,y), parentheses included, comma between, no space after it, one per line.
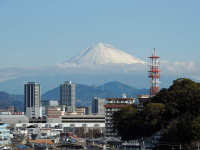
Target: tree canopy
(176,111)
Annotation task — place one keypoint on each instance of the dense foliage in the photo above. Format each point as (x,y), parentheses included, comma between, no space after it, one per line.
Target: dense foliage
(175,110)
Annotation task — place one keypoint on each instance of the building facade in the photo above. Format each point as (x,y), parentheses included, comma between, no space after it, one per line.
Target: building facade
(32,104)
(47,103)
(114,104)
(98,106)
(4,134)
(67,96)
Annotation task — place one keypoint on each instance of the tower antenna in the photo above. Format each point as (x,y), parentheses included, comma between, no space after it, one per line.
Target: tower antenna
(154,74)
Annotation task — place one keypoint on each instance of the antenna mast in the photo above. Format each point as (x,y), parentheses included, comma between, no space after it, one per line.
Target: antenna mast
(154,74)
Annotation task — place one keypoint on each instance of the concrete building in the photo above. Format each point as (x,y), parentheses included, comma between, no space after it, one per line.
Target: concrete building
(83,120)
(87,109)
(7,110)
(67,96)
(80,111)
(4,134)
(98,106)
(114,104)
(32,104)
(143,99)
(13,119)
(47,103)
(70,121)
(54,113)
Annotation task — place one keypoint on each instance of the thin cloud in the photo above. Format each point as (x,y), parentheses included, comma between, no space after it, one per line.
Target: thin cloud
(180,69)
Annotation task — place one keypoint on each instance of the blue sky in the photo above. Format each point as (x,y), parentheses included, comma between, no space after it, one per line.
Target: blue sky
(48,32)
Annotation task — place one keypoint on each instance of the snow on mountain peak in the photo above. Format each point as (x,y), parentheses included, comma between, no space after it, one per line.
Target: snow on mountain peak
(104,54)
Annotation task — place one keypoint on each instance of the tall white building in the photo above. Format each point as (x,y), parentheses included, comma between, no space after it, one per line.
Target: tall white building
(32,104)
(98,106)
(67,96)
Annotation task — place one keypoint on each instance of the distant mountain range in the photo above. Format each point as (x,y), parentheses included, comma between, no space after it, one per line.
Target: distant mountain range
(84,94)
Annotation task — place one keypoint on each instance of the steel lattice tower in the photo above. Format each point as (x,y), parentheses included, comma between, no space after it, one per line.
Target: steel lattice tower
(154,74)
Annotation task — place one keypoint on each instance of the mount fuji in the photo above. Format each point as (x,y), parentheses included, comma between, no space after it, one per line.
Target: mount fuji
(104,54)
(96,65)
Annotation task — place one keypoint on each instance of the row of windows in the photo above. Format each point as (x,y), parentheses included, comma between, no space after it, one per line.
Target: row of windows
(77,121)
(82,118)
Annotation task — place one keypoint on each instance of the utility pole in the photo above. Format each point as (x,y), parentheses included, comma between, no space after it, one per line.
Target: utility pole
(180,146)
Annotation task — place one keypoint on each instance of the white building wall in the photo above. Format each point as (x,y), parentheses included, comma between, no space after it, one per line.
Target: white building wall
(13,119)
(33,112)
(53,120)
(101,125)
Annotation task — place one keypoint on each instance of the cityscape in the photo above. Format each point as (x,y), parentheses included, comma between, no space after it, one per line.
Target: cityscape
(51,124)
(99,75)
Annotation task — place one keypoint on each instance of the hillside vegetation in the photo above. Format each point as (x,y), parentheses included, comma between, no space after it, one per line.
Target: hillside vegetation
(175,111)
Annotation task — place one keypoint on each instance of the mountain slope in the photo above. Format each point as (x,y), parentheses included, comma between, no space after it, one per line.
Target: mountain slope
(7,99)
(104,54)
(118,88)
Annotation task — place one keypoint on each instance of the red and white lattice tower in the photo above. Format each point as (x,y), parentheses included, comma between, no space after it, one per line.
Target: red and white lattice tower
(154,74)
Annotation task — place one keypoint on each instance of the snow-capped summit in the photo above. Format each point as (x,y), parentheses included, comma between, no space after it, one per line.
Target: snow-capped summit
(104,54)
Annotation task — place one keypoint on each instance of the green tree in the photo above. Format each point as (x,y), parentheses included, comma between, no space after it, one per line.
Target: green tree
(175,110)
(154,114)
(125,121)
(189,128)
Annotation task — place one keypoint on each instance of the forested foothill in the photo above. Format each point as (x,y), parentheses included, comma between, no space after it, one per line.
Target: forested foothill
(174,111)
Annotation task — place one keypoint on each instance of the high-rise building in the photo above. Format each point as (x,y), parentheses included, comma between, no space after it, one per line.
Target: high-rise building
(67,96)
(32,104)
(98,106)
(114,104)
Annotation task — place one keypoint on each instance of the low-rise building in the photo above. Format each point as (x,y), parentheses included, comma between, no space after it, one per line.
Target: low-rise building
(13,119)
(83,120)
(47,103)
(80,111)
(53,114)
(4,134)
